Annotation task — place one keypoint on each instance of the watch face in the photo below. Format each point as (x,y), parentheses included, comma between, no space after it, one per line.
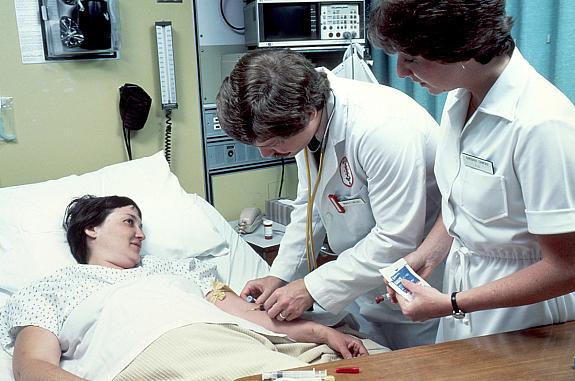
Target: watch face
(458,314)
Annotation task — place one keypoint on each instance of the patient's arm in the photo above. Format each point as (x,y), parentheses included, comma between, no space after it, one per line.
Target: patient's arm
(299,330)
(37,357)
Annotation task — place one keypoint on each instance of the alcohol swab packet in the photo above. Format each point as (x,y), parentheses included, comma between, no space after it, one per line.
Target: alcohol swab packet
(399,270)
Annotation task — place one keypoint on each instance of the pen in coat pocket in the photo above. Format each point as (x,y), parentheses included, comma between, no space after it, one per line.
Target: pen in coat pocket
(335,201)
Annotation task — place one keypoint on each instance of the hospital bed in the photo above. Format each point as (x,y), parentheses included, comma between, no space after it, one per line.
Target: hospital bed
(177,224)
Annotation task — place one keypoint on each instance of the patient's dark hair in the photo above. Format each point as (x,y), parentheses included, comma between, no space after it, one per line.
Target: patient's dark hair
(87,212)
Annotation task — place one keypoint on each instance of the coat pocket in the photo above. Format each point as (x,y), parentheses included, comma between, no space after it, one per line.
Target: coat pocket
(348,228)
(359,217)
(484,196)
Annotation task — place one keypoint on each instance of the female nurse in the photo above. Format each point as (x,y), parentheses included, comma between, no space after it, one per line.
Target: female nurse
(505,168)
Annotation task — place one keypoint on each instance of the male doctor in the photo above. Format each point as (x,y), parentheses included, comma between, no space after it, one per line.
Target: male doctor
(365,156)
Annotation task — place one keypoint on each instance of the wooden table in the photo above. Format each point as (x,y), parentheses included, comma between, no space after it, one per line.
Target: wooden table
(542,353)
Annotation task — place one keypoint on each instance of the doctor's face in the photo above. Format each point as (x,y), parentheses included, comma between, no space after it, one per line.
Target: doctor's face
(117,241)
(289,147)
(436,77)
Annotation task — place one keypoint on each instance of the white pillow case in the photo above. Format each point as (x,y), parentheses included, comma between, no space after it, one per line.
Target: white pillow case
(33,242)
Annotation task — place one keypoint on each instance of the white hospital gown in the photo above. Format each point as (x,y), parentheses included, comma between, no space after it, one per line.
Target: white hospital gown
(48,302)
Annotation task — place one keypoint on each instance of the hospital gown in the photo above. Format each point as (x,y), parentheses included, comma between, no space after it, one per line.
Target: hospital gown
(48,302)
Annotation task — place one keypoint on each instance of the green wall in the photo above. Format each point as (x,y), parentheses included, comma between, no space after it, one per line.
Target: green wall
(234,191)
(67,119)
(66,113)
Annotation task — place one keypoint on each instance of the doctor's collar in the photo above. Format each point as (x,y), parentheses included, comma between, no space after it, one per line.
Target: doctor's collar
(315,144)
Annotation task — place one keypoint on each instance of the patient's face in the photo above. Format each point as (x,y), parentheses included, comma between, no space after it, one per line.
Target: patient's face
(117,241)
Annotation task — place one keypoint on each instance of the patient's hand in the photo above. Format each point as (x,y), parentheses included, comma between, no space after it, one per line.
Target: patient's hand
(300,330)
(348,346)
(262,288)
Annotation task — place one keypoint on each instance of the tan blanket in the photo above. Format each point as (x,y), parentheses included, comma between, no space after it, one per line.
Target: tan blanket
(214,352)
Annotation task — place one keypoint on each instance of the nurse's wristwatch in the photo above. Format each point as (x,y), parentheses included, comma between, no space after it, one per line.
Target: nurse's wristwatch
(457,313)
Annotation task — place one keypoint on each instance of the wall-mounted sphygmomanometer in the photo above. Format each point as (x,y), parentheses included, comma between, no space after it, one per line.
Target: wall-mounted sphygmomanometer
(79,29)
(167,72)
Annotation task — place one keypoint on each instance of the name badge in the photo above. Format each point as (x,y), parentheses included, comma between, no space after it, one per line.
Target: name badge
(477,163)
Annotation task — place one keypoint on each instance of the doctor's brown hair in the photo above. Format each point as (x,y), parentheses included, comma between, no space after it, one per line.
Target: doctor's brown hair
(445,31)
(270,93)
(87,212)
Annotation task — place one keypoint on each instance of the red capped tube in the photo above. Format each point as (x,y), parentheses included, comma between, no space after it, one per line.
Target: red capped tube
(347,370)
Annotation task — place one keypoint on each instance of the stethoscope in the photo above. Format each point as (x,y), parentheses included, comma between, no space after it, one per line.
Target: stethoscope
(309,247)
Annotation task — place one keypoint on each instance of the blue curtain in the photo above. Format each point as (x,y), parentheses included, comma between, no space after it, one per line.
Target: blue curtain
(544,32)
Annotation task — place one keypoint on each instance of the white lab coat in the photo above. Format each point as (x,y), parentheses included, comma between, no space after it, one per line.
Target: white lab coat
(519,182)
(379,152)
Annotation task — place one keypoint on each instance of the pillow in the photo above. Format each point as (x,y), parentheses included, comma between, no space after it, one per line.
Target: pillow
(33,242)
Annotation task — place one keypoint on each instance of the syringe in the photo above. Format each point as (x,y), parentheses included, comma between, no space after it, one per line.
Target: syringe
(274,375)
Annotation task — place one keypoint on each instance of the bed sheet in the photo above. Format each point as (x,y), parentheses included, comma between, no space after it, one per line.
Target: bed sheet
(117,325)
(107,331)
(246,353)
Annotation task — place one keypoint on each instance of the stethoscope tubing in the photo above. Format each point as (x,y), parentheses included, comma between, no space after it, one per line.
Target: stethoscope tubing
(309,246)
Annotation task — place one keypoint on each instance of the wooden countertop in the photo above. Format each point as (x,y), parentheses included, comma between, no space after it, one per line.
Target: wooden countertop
(541,353)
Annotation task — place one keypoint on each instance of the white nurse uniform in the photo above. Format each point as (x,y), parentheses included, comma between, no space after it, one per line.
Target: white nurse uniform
(506,175)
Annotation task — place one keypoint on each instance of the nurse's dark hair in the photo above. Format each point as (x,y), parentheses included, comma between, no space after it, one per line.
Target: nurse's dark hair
(88,212)
(270,93)
(445,31)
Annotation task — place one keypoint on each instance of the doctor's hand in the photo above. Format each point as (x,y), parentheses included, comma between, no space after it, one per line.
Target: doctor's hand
(427,302)
(289,302)
(261,288)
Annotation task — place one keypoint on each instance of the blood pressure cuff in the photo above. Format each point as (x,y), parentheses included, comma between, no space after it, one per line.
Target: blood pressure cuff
(134,106)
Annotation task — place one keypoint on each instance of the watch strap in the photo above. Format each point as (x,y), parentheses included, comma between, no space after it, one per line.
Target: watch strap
(457,312)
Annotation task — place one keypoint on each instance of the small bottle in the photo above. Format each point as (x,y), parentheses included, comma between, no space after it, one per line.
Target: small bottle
(268,229)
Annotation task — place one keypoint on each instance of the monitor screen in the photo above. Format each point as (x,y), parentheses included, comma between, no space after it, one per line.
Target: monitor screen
(284,22)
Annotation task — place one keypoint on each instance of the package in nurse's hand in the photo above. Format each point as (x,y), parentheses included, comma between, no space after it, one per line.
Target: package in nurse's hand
(401,270)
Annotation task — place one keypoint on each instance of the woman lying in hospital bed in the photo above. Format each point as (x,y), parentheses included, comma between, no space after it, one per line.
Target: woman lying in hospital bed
(146,323)
(106,234)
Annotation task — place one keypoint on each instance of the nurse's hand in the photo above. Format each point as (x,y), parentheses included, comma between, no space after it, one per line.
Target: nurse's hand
(422,262)
(289,302)
(417,262)
(261,288)
(427,302)
(429,254)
